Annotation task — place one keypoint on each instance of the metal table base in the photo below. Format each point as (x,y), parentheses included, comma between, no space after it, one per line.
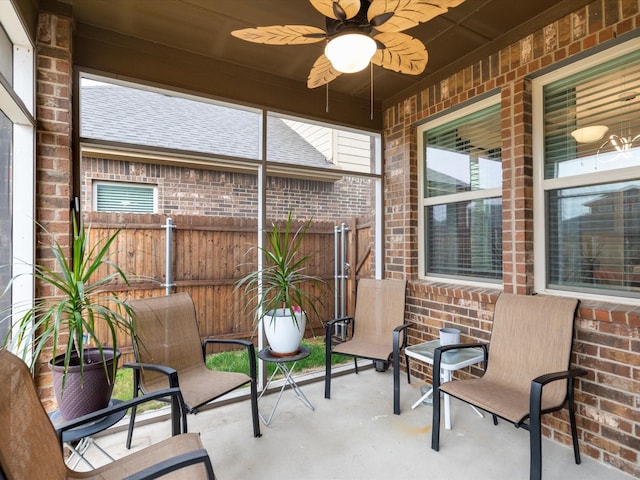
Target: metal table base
(285,366)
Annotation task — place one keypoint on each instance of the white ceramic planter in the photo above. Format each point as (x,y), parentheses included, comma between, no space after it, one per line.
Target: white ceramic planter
(283,335)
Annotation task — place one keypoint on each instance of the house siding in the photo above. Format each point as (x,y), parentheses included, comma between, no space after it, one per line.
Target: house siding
(607,338)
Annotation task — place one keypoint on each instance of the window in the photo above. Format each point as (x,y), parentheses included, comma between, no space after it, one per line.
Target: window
(209,159)
(6,56)
(291,140)
(461,193)
(17,196)
(114,112)
(589,166)
(125,197)
(6,218)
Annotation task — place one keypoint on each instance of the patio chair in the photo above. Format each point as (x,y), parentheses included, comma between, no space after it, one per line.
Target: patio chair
(170,353)
(527,371)
(32,448)
(378,331)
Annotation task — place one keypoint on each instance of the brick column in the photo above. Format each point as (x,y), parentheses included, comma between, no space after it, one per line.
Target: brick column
(400,193)
(53,152)
(517,188)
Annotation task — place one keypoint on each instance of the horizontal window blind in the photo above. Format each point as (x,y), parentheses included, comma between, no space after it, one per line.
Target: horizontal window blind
(464,155)
(124,198)
(594,237)
(593,228)
(463,224)
(465,239)
(606,96)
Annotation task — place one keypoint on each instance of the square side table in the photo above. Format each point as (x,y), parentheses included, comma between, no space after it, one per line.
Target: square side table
(451,361)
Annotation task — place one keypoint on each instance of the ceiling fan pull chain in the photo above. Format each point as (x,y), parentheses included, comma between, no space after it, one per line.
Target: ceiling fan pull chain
(326,106)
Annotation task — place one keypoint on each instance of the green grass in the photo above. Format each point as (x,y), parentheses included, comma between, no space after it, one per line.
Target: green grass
(123,390)
(235,361)
(230,361)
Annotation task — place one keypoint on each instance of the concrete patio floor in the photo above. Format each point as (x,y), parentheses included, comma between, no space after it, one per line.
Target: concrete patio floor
(356,436)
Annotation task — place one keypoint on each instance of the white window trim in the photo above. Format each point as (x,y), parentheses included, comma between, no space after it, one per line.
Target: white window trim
(541,185)
(455,197)
(18,103)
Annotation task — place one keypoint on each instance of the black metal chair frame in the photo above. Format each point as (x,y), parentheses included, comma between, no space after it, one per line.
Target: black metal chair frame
(161,468)
(534,424)
(172,375)
(394,357)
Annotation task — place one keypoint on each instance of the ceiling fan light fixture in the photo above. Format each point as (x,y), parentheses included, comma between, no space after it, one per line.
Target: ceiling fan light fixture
(351,52)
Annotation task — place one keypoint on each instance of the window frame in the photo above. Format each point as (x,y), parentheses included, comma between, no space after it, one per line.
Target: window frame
(261,167)
(124,185)
(17,101)
(464,110)
(542,185)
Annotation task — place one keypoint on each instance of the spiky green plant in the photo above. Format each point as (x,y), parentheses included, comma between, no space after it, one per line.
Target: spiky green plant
(76,306)
(283,277)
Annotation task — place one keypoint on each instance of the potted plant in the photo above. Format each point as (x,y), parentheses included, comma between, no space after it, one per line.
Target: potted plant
(278,292)
(68,318)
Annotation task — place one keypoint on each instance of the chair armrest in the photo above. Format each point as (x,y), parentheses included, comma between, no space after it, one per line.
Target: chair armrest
(552,377)
(168,371)
(125,405)
(440,350)
(176,463)
(538,383)
(251,350)
(345,320)
(329,327)
(396,334)
(228,341)
(437,358)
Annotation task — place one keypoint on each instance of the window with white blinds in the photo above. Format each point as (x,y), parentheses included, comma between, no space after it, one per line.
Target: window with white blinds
(124,197)
(592,119)
(461,201)
(592,178)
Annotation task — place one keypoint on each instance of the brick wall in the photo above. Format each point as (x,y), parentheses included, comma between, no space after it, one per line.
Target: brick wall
(607,342)
(194,191)
(53,151)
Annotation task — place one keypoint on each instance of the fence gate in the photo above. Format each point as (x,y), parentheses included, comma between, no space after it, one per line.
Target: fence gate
(353,254)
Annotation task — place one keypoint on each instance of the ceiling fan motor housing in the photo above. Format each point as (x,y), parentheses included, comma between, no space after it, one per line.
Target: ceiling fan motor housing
(358,23)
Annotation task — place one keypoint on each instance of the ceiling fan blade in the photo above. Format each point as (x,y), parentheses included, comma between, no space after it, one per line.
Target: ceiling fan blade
(406,13)
(321,73)
(325,7)
(281,34)
(402,53)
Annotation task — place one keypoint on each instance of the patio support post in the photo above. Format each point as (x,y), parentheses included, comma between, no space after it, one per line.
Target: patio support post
(168,284)
(336,273)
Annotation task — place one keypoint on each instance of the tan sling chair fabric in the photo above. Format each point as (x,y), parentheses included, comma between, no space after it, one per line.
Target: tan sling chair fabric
(169,337)
(532,336)
(377,327)
(31,449)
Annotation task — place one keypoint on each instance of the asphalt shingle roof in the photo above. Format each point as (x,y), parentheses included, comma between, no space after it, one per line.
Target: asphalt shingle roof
(140,117)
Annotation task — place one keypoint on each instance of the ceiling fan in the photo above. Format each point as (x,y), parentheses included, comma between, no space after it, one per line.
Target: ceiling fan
(358,32)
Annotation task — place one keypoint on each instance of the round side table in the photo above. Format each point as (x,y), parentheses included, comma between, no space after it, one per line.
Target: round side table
(284,365)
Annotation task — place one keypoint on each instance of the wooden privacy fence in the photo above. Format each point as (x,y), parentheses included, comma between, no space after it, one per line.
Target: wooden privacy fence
(209,255)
